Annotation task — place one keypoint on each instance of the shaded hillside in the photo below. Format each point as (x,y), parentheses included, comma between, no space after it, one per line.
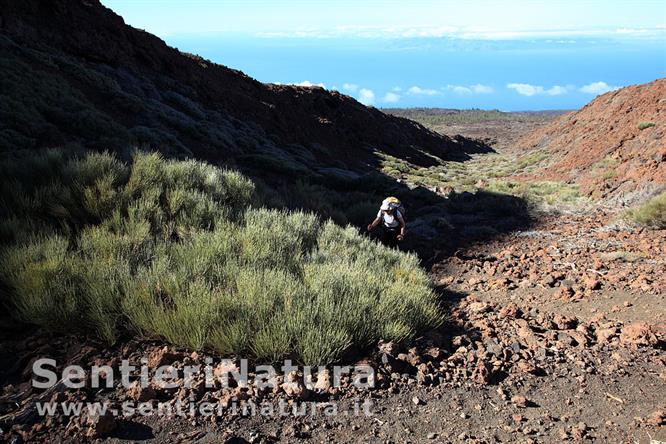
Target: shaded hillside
(615,146)
(498,129)
(73,72)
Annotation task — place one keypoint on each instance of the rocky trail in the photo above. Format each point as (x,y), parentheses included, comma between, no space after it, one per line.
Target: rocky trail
(526,357)
(555,333)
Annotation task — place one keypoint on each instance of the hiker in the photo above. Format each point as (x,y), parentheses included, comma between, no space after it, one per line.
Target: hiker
(393,223)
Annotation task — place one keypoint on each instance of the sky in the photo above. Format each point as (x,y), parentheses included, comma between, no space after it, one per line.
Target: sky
(509,55)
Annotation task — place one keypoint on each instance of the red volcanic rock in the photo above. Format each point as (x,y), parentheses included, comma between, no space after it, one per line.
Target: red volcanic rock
(638,334)
(602,147)
(161,356)
(520,401)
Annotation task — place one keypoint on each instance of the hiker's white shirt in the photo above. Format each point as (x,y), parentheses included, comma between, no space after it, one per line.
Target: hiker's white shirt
(389,220)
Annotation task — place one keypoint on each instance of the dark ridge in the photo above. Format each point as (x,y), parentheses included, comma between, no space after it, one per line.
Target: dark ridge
(74,72)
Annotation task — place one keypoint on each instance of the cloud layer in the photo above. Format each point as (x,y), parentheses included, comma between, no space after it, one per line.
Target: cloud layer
(597,88)
(303,83)
(350,87)
(471,89)
(309,83)
(391,97)
(366,96)
(418,91)
(467,33)
(526,89)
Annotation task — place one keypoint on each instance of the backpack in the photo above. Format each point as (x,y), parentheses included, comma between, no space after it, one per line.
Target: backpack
(395,203)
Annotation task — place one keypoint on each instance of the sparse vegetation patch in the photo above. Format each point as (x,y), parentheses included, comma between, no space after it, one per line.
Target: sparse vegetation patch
(645,125)
(650,214)
(490,171)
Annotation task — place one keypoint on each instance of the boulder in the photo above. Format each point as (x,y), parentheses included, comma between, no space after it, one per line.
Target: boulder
(161,356)
(323,383)
(293,387)
(519,401)
(638,334)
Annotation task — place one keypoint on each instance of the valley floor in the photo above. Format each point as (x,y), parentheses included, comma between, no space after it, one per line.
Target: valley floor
(554,334)
(584,297)
(579,299)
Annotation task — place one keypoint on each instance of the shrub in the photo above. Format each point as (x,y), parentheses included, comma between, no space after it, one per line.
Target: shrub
(538,192)
(177,250)
(650,214)
(645,125)
(531,159)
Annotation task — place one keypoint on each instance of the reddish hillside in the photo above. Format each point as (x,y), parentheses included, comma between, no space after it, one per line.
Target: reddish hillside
(71,71)
(602,146)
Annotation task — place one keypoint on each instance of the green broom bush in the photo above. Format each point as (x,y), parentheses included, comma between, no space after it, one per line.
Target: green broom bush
(650,214)
(178,250)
